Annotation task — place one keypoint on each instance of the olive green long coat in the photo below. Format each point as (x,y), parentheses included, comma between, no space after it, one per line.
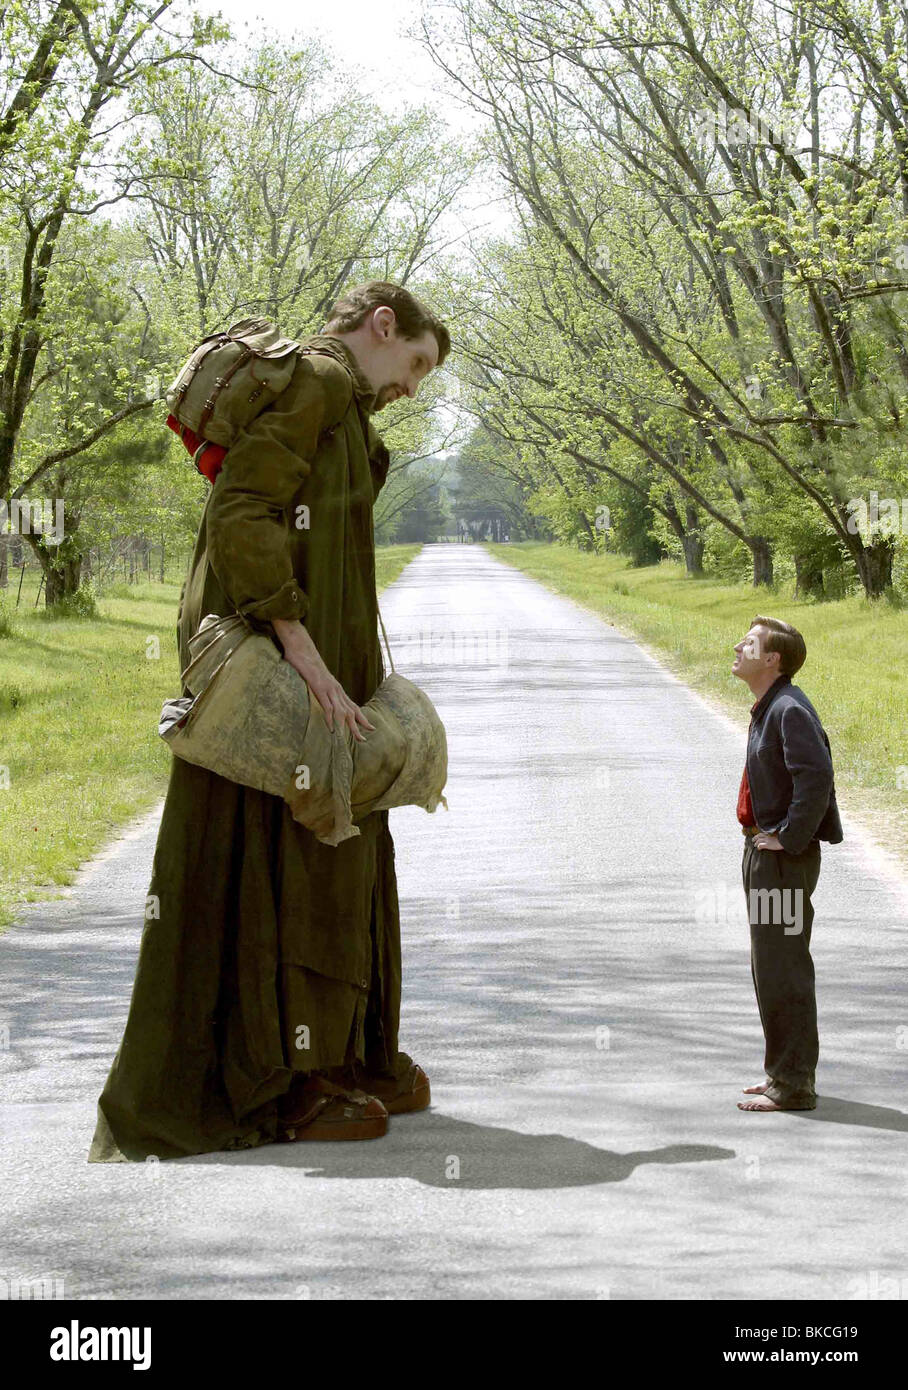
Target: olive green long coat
(265,952)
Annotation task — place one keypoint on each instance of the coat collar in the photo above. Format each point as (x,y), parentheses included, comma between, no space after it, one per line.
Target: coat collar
(769,695)
(335,347)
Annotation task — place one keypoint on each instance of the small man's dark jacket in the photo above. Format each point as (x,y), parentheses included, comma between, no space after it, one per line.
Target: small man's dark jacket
(789,769)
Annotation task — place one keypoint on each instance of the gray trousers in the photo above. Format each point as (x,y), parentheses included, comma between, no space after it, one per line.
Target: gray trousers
(778,888)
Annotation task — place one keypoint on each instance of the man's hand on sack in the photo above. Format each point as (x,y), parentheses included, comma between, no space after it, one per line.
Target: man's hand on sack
(303,656)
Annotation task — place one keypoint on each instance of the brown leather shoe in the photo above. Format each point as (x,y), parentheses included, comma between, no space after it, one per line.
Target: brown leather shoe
(398,1095)
(320,1109)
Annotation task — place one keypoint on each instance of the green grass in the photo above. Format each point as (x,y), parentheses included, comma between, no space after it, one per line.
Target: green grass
(79,704)
(855,673)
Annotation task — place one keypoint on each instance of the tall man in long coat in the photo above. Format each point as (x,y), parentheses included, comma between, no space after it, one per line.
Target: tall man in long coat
(268,983)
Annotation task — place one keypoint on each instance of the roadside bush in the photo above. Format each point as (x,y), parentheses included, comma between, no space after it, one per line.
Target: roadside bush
(81,604)
(11,697)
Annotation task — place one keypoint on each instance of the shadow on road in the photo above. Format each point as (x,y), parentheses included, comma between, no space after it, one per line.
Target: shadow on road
(855,1112)
(433,1148)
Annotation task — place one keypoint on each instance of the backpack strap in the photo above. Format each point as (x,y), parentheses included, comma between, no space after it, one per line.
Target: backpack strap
(220,383)
(385,635)
(198,357)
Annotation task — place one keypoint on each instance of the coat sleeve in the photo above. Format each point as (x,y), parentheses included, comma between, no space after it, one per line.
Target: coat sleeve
(809,762)
(247,525)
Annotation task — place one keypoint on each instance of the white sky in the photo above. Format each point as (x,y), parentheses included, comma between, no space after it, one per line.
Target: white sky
(367,34)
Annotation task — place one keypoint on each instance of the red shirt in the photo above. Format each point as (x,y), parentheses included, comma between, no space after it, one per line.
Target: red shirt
(212,456)
(745,809)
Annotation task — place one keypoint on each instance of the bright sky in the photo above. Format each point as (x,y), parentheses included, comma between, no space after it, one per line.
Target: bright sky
(367,34)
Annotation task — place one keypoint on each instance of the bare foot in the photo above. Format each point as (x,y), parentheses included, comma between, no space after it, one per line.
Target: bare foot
(755,1090)
(758,1105)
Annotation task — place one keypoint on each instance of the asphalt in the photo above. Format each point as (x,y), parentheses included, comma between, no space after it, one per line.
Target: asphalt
(577,985)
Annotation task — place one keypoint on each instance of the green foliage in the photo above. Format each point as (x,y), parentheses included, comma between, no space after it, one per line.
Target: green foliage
(632,529)
(423,519)
(725,557)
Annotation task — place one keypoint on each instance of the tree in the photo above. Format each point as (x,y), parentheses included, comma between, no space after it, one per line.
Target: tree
(63,68)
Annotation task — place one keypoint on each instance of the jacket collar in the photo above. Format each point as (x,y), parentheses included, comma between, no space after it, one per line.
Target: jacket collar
(769,695)
(335,347)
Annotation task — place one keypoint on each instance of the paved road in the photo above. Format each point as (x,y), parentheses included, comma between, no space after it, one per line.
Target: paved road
(577,985)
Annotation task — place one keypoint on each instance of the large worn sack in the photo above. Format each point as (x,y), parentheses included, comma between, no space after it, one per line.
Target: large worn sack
(230,378)
(253,719)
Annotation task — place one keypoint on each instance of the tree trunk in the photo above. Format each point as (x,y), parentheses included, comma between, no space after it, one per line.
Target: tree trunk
(875,567)
(694,545)
(62,578)
(61,566)
(762,558)
(4,560)
(808,577)
(586,541)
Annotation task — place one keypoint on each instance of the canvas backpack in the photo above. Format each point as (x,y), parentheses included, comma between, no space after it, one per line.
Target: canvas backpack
(230,377)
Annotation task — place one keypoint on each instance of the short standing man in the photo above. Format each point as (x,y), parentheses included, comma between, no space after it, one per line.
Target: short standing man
(786,806)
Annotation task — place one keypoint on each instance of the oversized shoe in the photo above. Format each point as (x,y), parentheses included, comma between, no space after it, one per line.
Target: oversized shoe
(320,1109)
(398,1095)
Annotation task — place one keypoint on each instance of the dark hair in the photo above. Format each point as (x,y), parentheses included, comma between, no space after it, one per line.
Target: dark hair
(787,641)
(413,318)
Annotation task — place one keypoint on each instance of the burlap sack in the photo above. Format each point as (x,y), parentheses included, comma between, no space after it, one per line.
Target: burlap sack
(253,719)
(249,713)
